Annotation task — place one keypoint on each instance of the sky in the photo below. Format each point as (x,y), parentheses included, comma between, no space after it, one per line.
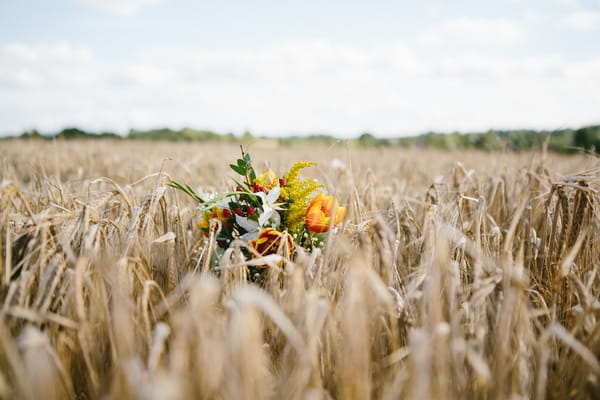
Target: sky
(391,68)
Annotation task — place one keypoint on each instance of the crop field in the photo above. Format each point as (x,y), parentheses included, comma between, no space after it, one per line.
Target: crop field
(454,275)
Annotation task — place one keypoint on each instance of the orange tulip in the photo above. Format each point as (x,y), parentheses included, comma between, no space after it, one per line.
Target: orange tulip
(318,214)
(268,242)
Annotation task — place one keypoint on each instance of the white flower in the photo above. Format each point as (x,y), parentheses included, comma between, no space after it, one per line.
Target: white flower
(268,215)
(269,207)
(251,227)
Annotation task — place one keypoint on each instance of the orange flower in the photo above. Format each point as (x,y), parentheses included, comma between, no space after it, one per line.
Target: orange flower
(269,241)
(318,214)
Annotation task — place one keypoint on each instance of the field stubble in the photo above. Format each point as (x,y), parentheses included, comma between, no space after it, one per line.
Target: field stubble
(454,276)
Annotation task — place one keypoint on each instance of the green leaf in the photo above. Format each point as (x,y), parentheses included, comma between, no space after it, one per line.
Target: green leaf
(243,186)
(238,170)
(246,162)
(187,190)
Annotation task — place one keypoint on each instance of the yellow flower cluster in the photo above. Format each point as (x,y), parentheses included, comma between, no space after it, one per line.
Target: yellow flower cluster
(267,179)
(215,213)
(298,191)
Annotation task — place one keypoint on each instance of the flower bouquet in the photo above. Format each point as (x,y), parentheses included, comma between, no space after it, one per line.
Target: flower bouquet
(266,214)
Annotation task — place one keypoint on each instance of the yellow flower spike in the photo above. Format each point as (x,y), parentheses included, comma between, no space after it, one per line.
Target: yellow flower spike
(294,172)
(298,191)
(318,215)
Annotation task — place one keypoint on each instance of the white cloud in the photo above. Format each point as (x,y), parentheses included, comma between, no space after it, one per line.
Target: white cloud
(571,3)
(120,7)
(583,21)
(475,31)
(308,86)
(34,66)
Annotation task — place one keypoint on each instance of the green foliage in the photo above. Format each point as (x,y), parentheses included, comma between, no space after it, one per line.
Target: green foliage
(247,136)
(244,167)
(559,140)
(187,189)
(368,140)
(310,139)
(76,133)
(32,134)
(185,134)
(72,133)
(587,138)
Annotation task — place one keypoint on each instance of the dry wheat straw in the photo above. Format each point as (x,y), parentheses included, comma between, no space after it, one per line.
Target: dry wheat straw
(455,275)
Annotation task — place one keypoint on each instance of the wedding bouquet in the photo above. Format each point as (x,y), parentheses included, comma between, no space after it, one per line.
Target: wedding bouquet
(269,214)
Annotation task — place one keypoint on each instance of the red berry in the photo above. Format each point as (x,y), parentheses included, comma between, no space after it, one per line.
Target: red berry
(282,182)
(238,211)
(238,188)
(226,212)
(250,210)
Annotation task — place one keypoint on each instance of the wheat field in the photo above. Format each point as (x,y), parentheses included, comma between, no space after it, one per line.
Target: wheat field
(455,275)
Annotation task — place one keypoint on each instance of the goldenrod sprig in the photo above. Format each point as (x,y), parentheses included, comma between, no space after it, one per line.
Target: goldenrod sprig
(294,172)
(297,191)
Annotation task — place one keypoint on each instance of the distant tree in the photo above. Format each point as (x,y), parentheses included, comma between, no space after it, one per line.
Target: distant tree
(229,137)
(586,138)
(32,134)
(109,135)
(518,140)
(247,136)
(367,140)
(433,140)
(561,141)
(488,141)
(321,138)
(72,133)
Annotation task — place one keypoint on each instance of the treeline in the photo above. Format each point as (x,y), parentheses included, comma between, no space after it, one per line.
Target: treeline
(165,134)
(559,140)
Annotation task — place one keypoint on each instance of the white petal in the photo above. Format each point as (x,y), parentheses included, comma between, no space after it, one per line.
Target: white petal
(246,237)
(275,219)
(273,194)
(264,217)
(247,224)
(262,196)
